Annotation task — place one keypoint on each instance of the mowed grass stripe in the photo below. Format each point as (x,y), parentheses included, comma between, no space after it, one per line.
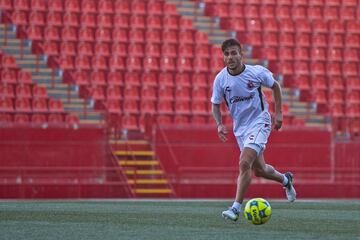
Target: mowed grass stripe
(129,220)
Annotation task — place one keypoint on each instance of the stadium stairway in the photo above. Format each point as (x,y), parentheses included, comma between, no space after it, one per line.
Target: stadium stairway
(43,75)
(297,112)
(144,171)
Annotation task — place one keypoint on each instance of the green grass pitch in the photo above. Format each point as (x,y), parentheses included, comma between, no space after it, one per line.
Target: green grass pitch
(84,220)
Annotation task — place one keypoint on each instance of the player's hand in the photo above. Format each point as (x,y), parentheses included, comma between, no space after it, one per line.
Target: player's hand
(278,119)
(222,132)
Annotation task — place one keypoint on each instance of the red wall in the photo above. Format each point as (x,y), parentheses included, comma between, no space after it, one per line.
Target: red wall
(57,162)
(199,165)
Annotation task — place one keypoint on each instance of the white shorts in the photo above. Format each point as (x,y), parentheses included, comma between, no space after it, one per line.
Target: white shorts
(256,136)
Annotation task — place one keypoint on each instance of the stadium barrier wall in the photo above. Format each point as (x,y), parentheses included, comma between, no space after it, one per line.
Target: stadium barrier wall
(200,165)
(58,162)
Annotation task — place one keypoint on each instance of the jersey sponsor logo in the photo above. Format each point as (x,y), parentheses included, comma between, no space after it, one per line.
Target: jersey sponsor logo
(251,137)
(250,85)
(236,99)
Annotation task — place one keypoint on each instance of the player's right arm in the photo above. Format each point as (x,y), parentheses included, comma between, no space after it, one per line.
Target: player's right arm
(222,131)
(216,100)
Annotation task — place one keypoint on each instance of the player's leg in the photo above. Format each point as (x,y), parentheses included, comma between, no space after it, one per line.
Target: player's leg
(246,161)
(261,169)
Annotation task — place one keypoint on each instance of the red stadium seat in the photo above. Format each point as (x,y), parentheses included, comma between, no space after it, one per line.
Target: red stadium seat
(19,18)
(69,33)
(21,118)
(7,91)
(89,6)
(55,118)
(23,105)
(115,78)
(106,6)
(54,19)
(39,105)
(148,92)
(8,76)
(81,77)
(165,107)
(72,6)
(113,106)
(114,92)
(103,35)
(21,4)
(38,118)
(55,106)
(23,91)
(98,78)
(102,49)
(165,93)
(105,21)
(40,91)
(37,18)
(55,5)
(131,106)
(147,106)
(6,105)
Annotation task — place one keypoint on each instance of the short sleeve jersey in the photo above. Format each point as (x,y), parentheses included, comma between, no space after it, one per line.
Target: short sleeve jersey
(243,94)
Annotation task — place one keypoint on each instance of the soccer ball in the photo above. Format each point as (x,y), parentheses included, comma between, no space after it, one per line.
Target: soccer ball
(257,211)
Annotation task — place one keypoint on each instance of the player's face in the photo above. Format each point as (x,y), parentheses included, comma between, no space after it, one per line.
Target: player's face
(233,58)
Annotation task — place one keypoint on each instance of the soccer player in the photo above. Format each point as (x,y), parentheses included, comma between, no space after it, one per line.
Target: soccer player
(239,85)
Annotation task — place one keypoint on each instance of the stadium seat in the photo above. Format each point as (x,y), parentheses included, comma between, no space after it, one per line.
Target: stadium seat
(71,19)
(152,50)
(22,4)
(165,93)
(181,119)
(71,119)
(130,122)
(148,106)
(23,91)
(39,105)
(167,63)
(89,6)
(352,82)
(6,90)
(51,48)
(182,107)
(116,63)
(21,118)
(38,118)
(132,92)
(37,18)
(68,48)
(72,6)
(99,63)
(54,19)
(132,79)
(82,63)
(182,93)
(115,78)
(122,7)
(103,35)
(23,105)
(81,77)
(55,5)
(336,83)
(131,106)
(40,91)
(5,118)
(199,80)
(138,21)
(106,6)
(86,34)
(200,107)
(102,49)
(6,105)
(6,4)
(55,118)
(55,106)
(114,93)
(69,33)
(148,92)
(165,107)
(150,64)
(153,36)
(9,76)
(20,18)
(98,78)
(113,106)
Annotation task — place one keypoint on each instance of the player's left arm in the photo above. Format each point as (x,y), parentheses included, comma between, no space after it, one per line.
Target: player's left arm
(278,118)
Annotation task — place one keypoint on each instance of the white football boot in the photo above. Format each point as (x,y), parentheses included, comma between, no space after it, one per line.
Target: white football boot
(289,188)
(231,214)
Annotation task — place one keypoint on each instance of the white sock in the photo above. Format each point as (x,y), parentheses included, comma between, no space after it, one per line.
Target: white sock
(237,206)
(285,181)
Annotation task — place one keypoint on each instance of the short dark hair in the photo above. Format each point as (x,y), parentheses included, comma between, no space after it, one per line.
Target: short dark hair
(230,42)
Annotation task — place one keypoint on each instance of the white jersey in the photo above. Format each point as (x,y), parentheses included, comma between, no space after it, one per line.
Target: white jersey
(243,95)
